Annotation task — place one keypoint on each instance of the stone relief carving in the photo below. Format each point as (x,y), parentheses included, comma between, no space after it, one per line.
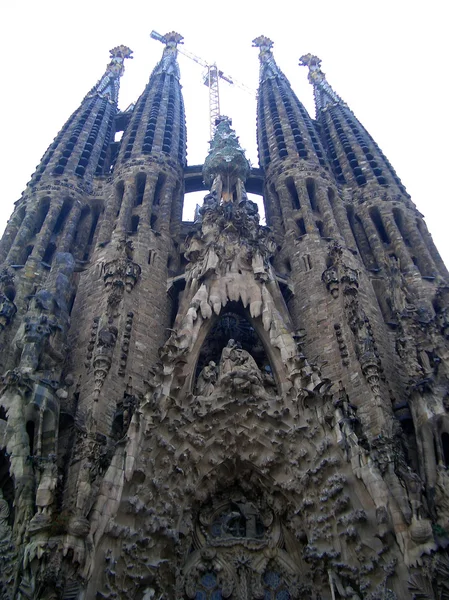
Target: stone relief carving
(120,274)
(233,475)
(385,449)
(207,379)
(7,293)
(31,399)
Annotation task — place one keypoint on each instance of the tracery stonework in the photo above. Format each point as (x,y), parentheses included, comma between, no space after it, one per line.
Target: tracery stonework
(224,408)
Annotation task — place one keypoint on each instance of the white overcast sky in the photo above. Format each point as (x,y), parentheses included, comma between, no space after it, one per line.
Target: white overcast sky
(386,59)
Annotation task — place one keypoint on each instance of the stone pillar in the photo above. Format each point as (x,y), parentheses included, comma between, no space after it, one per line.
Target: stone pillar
(176,210)
(273,212)
(69,232)
(109,216)
(165,207)
(306,209)
(82,236)
(24,236)
(330,224)
(341,218)
(424,233)
(398,243)
(129,196)
(10,233)
(46,232)
(148,196)
(376,245)
(286,207)
(420,248)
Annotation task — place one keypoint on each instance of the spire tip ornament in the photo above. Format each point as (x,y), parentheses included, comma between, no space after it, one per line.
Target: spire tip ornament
(121,52)
(108,85)
(168,62)
(314,64)
(173,38)
(318,79)
(263,42)
(268,66)
(310,60)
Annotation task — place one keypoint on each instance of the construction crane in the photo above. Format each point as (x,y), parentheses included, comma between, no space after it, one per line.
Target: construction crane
(211,77)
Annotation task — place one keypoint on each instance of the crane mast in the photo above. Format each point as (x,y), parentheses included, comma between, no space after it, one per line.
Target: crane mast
(211,79)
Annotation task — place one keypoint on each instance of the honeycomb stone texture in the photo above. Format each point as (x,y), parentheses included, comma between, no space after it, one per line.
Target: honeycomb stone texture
(221,408)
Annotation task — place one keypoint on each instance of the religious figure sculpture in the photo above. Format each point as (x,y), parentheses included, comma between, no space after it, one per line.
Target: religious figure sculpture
(238,368)
(207,379)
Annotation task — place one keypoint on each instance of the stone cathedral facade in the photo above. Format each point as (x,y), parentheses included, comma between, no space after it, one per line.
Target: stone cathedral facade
(219,408)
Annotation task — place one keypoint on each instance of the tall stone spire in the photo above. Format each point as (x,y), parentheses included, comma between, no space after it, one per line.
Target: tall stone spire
(393,227)
(298,178)
(108,86)
(354,154)
(47,217)
(169,62)
(324,94)
(158,120)
(81,145)
(268,66)
(284,127)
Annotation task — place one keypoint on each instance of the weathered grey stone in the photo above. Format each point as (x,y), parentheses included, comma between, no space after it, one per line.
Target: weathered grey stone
(221,409)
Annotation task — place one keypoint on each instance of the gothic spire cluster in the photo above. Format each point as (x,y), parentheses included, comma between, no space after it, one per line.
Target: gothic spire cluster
(222,408)
(353,153)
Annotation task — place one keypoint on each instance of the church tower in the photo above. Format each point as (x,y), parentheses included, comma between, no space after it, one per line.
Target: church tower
(220,408)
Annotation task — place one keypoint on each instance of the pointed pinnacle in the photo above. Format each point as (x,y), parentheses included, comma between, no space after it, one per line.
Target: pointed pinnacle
(118,55)
(268,66)
(314,64)
(318,79)
(108,85)
(264,43)
(168,63)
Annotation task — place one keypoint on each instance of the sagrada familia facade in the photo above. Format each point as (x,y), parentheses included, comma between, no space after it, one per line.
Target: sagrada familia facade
(219,408)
